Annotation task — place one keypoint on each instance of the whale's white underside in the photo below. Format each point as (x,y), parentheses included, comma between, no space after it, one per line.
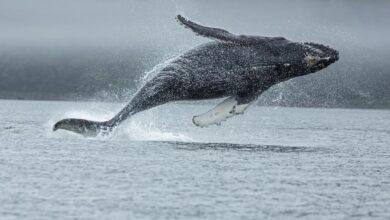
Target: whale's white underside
(224,110)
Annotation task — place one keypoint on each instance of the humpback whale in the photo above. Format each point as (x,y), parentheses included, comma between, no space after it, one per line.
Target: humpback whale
(237,67)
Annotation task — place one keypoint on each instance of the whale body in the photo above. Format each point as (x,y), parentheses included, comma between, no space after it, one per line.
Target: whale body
(238,67)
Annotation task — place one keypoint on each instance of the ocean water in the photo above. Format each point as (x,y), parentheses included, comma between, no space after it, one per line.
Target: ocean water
(270,163)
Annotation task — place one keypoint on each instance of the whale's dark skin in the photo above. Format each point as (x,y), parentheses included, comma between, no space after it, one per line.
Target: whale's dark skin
(229,66)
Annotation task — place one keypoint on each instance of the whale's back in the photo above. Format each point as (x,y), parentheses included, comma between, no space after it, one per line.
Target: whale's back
(218,69)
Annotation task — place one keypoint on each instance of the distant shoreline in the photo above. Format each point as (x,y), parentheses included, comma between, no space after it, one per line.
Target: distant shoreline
(384,107)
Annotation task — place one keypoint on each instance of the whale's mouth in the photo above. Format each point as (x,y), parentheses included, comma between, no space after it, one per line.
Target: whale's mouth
(320,53)
(319,56)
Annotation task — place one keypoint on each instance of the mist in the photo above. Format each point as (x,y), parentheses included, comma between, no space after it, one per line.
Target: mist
(91,49)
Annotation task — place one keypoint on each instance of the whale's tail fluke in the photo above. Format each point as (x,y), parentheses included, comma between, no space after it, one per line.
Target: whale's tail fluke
(84,127)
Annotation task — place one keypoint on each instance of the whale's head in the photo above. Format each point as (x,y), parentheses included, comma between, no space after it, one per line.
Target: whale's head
(304,58)
(317,56)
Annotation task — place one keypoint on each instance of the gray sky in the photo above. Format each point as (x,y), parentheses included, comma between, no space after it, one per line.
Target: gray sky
(121,22)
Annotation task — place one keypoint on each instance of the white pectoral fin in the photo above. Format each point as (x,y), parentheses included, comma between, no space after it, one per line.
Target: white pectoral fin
(226,109)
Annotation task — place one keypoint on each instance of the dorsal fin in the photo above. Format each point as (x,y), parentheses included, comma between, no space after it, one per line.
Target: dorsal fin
(223,35)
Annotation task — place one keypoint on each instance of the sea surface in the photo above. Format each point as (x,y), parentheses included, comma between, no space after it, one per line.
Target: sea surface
(270,163)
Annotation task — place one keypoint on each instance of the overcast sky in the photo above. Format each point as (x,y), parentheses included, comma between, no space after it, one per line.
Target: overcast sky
(121,22)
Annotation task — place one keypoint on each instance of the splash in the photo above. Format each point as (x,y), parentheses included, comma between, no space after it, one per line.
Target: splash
(139,131)
(144,126)
(156,69)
